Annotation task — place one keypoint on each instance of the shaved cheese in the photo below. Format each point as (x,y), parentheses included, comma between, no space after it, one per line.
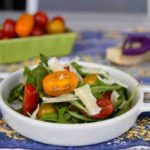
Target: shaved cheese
(55,65)
(75,59)
(85,95)
(71,68)
(123,103)
(114,96)
(33,116)
(112,81)
(62,98)
(94,71)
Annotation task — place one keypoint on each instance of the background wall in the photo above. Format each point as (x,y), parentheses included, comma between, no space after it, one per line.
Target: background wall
(122,6)
(106,6)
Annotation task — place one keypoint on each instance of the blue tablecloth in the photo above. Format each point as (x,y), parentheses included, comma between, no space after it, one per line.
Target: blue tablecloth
(90,46)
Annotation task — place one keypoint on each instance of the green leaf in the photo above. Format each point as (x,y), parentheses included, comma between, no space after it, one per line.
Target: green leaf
(39,73)
(19,110)
(61,115)
(29,76)
(27,71)
(132,95)
(44,59)
(50,117)
(128,103)
(98,90)
(104,88)
(74,120)
(78,68)
(122,97)
(99,82)
(79,116)
(36,75)
(123,93)
(81,84)
(124,109)
(67,116)
(118,103)
(79,106)
(97,94)
(16,93)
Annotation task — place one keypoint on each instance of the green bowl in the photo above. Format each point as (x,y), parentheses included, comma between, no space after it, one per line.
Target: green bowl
(20,49)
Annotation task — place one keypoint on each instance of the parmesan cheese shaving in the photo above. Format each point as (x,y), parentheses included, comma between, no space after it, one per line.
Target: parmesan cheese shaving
(33,116)
(62,98)
(123,103)
(94,71)
(55,65)
(85,95)
(74,70)
(75,59)
(114,96)
(111,81)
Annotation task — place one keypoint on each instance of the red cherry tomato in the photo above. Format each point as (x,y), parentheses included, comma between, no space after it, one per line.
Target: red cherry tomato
(37,31)
(41,19)
(30,100)
(9,28)
(1,34)
(107,106)
(106,96)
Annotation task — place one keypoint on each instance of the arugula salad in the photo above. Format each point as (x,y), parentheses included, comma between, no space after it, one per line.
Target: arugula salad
(69,93)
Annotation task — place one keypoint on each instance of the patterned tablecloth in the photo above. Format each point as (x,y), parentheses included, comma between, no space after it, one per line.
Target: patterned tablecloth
(90,46)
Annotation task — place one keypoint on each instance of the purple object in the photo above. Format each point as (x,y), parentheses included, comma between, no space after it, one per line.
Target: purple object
(136,45)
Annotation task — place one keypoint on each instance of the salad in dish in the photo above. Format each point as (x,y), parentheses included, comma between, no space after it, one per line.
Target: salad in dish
(69,93)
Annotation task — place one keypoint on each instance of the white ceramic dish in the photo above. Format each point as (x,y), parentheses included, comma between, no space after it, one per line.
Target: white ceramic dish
(73,134)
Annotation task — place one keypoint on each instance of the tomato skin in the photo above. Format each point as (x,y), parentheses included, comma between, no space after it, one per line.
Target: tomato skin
(30,99)
(1,34)
(41,19)
(106,96)
(37,31)
(9,28)
(66,68)
(107,106)
(45,109)
(90,79)
(55,26)
(59,82)
(24,25)
(59,18)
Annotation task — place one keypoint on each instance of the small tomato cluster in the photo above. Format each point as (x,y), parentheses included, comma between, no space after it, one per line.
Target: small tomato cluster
(32,25)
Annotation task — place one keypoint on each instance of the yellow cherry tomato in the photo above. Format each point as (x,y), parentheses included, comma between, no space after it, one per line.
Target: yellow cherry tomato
(90,79)
(55,26)
(60,82)
(45,109)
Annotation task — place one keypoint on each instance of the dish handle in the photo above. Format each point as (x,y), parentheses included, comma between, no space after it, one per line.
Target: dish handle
(146,103)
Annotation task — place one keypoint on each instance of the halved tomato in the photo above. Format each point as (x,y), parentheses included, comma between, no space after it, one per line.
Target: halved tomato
(30,99)
(106,105)
(60,82)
